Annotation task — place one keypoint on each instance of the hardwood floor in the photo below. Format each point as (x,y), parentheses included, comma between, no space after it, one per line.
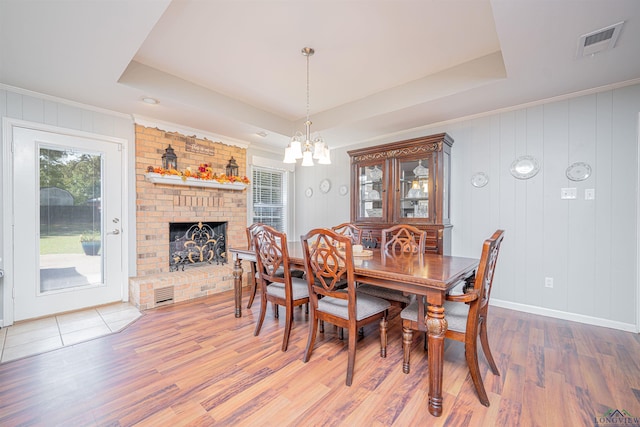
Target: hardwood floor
(195,364)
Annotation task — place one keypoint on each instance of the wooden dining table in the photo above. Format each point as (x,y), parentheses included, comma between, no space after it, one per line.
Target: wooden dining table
(430,275)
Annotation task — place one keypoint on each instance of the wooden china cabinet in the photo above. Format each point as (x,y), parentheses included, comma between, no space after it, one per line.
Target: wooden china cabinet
(405,182)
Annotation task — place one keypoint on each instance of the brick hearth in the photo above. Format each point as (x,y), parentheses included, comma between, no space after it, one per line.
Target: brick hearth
(159,204)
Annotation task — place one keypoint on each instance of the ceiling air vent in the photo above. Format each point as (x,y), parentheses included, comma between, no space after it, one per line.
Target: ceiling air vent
(599,40)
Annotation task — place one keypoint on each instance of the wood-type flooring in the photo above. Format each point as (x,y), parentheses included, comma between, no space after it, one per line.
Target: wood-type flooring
(195,364)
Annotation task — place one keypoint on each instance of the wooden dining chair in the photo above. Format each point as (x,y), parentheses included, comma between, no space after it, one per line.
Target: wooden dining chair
(277,285)
(466,315)
(403,238)
(325,267)
(351,230)
(251,230)
(355,234)
(397,240)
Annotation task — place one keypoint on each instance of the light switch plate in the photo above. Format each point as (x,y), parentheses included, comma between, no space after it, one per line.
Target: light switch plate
(568,193)
(590,194)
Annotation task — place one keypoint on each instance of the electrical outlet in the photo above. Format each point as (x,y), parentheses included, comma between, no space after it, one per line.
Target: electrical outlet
(568,193)
(548,282)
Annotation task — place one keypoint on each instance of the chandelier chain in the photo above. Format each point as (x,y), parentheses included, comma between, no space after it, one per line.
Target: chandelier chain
(308,86)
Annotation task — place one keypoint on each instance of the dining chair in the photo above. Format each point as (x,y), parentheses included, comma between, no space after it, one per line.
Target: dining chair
(251,230)
(277,285)
(351,230)
(397,240)
(325,267)
(403,238)
(466,315)
(355,234)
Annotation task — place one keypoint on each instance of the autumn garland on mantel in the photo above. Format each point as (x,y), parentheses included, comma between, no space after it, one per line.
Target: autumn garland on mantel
(204,172)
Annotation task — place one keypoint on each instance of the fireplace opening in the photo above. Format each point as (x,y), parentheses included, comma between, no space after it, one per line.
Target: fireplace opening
(192,245)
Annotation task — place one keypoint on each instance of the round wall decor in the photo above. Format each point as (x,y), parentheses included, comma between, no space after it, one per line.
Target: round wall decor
(479,179)
(525,167)
(578,171)
(325,186)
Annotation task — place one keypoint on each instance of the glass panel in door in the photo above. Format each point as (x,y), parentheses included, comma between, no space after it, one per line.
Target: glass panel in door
(414,188)
(70,219)
(370,191)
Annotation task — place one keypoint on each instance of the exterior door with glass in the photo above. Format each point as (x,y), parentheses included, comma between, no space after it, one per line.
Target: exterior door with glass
(67,209)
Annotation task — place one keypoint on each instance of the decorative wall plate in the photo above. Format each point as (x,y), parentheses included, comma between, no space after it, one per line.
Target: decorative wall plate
(479,179)
(578,171)
(308,192)
(325,185)
(343,190)
(525,167)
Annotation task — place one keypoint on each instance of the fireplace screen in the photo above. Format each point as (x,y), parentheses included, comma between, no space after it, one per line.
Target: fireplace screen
(194,244)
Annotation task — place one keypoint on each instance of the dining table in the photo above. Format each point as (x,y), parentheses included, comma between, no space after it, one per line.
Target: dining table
(424,274)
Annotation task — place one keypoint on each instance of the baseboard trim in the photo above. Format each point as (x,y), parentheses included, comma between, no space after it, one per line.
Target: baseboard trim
(580,318)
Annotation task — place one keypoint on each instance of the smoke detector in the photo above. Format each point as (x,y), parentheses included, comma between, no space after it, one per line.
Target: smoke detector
(599,40)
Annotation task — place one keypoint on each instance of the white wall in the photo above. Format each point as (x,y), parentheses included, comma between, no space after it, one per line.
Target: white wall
(23,105)
(588,247)
(322,210)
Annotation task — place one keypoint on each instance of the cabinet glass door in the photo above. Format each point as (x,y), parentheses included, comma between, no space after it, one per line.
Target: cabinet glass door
(415,187)
(371,194)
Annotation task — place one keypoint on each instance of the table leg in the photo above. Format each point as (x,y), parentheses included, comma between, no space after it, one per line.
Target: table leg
(436,329)
(237,283)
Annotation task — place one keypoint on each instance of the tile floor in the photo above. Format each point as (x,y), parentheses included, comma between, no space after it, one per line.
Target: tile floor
(36,336)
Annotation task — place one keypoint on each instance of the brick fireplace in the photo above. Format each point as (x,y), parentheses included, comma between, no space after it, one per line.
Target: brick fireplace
(159,204)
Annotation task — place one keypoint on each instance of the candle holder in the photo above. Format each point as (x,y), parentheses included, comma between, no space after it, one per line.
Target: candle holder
(232,167)
(169,159)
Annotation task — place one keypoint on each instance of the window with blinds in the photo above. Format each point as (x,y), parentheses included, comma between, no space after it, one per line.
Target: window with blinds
(269,197)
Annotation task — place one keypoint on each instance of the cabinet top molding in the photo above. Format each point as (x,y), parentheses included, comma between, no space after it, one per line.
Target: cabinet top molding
(423,144)
(435,146)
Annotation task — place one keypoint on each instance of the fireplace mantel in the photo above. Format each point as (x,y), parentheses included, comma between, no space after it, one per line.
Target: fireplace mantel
(157,178)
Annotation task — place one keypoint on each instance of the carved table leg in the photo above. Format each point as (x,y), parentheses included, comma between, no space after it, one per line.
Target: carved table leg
(237,283)
(436,328)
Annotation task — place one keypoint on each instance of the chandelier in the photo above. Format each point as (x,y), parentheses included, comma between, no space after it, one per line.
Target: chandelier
(304,146)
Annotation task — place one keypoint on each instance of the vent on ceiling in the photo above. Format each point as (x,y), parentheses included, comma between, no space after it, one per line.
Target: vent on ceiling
(599,40)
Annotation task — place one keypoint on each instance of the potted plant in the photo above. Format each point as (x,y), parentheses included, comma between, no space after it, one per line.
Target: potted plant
(91,241)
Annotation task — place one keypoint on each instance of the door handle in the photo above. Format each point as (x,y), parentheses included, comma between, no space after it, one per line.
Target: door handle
(116,231)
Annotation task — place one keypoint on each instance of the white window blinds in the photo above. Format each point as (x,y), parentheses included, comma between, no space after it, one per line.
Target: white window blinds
(269,197)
